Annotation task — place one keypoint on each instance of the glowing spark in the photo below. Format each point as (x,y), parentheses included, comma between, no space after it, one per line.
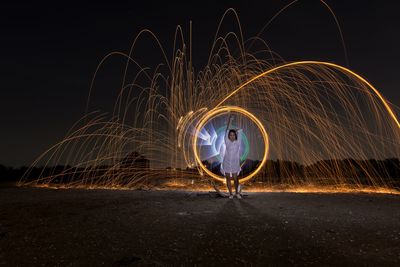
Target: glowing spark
(215,112)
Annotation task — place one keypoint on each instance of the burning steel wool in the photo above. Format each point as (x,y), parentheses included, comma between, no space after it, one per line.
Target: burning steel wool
(307,125)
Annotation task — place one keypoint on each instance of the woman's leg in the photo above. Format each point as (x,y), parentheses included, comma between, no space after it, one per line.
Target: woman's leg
(228,182)
(236,181)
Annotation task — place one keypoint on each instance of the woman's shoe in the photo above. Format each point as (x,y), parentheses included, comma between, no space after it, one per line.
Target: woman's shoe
(238,196)
(230,196)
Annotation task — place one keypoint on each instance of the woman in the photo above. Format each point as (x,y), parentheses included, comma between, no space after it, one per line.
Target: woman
(231,160)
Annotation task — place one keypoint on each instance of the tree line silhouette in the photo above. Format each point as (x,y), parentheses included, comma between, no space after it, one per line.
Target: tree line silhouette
(332,171)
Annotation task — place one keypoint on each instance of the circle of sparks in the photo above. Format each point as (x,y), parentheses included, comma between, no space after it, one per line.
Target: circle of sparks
(244,112)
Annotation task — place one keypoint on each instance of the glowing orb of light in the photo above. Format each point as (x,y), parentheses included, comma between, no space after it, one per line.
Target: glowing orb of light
(214,112)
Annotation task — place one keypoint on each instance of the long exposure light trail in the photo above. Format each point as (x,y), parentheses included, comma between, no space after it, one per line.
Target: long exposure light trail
(323,126)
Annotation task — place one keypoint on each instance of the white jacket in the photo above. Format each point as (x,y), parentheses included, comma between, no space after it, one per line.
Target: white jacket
(231,157)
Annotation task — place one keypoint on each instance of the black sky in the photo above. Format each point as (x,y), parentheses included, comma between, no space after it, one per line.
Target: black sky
(49,53)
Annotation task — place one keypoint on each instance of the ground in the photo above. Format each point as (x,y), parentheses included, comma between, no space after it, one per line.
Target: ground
(49,227)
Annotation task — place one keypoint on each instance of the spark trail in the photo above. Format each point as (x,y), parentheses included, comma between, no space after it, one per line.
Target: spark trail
(320,124)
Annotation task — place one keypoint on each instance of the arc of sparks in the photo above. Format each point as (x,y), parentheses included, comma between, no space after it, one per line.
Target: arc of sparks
(329,64)
(210,114)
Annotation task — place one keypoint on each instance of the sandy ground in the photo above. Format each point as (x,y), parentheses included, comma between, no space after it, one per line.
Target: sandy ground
(47,227)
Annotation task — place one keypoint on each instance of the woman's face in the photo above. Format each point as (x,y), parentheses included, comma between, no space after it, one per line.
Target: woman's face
(232,136)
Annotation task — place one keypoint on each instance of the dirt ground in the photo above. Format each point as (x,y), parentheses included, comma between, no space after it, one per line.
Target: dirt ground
(48,227)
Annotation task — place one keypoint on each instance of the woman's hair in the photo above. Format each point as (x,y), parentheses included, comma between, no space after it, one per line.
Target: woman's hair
(232,131)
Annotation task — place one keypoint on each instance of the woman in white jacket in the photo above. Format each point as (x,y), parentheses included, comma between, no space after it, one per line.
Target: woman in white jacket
(231,160)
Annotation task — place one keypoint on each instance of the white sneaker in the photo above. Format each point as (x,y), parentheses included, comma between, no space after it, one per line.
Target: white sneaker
(231,196)
(238,196)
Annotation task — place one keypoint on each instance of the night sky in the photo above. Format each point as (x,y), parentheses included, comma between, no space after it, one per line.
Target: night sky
(49,53)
